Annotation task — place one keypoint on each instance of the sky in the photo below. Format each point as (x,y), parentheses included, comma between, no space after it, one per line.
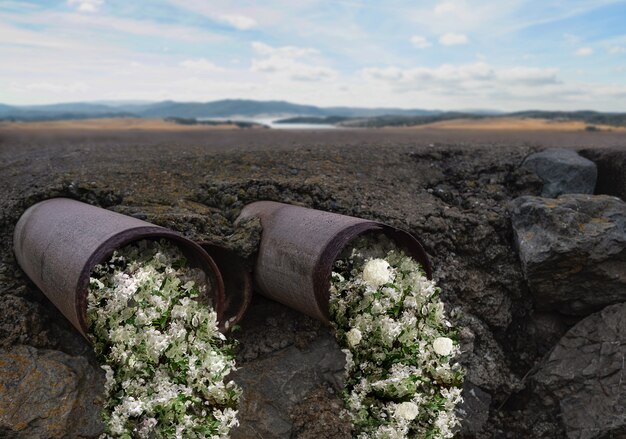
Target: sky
(442,54)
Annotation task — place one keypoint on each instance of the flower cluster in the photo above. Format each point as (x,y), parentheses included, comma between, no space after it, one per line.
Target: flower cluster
(398,344)
(164,359)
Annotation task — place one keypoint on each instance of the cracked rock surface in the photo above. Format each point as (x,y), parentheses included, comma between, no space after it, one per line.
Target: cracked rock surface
(585,376)
(450,189)
(573,250)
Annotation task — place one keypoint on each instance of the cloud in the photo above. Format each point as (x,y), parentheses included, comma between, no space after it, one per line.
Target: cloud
(529,75)
(286,51)
(420,42)
(57,88)
(292,69)
(240,22)
(453,39)
(445,8)
(285,61)
(616,50)
(86,5)
(419,76)
(201,65)
(464,78)
(584,51)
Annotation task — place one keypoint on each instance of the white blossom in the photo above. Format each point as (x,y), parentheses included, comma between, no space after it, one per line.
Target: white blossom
(398,345)
(377,272)
(354,337)
(407,410)
(150,330)
(443,346)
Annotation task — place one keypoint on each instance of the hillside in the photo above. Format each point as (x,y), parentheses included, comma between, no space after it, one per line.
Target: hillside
(292,113)
(216,109)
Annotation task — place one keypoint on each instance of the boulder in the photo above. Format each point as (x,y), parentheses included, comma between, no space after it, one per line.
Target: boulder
(563,171)
(282,384)
(49,394)
(584,376)
(572,250)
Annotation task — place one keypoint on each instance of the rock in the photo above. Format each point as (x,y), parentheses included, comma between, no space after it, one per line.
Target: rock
(483,359)
(21,321)
(572,250)
(563,171)
(277,385)
(321,415)
(474,410)
(49,394)
(585,376)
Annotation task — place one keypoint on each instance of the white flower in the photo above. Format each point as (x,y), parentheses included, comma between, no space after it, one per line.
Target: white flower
(354,337)
(400,321)
(442,346)
(148,329)
(377,272)
(406,410)
(133,406)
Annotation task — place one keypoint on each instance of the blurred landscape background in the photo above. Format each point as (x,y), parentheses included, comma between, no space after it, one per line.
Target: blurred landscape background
(446,118)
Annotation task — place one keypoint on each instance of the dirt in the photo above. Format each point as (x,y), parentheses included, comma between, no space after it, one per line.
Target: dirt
(448,187)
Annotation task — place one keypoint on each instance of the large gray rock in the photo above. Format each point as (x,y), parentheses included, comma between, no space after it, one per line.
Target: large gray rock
(563,171)
(277,385)
(49,394)
(572,250)
(585,376)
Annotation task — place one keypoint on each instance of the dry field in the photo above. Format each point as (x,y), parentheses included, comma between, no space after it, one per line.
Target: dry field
(514,124)
(500,124)
(117,124)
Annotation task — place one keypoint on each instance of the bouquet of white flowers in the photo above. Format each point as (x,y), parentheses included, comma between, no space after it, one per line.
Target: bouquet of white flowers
(398,345)
(164,358)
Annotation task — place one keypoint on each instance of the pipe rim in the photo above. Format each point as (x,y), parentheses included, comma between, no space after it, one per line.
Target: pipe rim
(232,269)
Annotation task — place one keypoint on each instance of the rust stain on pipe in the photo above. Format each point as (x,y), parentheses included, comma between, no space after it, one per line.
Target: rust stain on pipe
(299,247)
(58,242)
(237,283)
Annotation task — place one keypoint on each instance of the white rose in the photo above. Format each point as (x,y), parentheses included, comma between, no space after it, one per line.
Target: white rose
(354,337)
(406,410)
(442,346)
(377,272)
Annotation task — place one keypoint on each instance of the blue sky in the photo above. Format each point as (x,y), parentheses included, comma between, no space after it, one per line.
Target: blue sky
(443,54)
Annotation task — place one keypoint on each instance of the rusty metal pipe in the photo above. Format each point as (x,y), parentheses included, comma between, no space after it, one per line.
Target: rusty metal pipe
(299,247)
(237,283)
(58,242)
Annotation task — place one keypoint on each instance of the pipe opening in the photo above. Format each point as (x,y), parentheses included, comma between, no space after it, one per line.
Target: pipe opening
(389,237)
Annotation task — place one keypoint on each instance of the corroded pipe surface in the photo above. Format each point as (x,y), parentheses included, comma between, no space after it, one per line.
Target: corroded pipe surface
(299,247)
(58,242)
(237,283)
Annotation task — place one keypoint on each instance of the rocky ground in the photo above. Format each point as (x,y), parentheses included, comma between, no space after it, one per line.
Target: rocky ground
(534,369)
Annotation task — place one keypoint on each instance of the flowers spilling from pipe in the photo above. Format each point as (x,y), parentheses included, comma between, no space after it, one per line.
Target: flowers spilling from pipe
(401,380)
(164,358)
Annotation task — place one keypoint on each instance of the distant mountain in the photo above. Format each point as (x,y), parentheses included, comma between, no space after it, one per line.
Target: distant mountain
(227,108)
(75,110)
(247,109)
(376,112)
